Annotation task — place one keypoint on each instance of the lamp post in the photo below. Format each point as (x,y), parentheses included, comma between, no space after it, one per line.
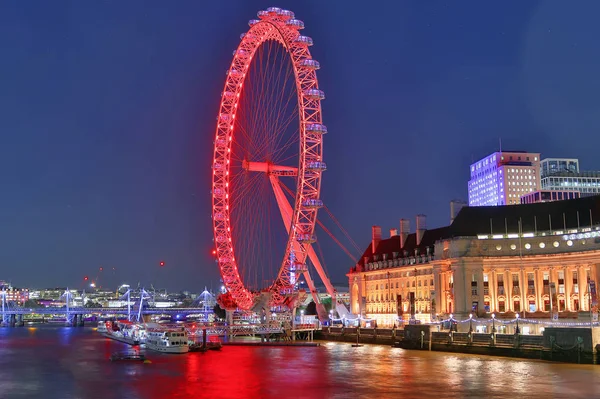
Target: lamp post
(493,323)
(517,330)
(470,323)
(302,316)
(331,317)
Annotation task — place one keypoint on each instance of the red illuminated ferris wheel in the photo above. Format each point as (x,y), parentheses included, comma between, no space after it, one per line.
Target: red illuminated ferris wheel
(268,162)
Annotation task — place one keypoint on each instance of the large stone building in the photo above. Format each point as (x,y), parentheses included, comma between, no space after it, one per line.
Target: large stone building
(534,260)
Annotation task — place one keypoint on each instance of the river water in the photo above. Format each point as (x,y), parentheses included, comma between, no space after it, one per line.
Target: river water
(59,362)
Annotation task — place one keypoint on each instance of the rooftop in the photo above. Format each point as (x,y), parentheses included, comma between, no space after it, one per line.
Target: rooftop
(484,220)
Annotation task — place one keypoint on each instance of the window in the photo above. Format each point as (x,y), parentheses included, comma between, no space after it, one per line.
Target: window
(501,307)
(532,305)
(546,290)
(486,285)
(546,305)
(517,305)
(515,279)
(561,282)
(500,278)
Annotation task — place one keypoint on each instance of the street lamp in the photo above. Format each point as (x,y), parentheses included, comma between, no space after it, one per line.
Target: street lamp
(493,323)
(470,323)
(517,330)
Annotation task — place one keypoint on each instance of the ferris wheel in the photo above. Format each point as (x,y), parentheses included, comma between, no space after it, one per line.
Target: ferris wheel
(268,163)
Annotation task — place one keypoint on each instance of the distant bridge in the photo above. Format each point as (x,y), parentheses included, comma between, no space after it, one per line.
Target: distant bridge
(102,311)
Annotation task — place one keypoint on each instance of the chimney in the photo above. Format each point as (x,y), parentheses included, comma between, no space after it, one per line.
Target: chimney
(376,237)
(393,232)
(404,230)
(421,227)
(455,207)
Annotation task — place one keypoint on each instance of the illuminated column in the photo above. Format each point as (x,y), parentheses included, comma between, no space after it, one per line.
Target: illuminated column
(524,287)
(538,289)
(568,287)
(460,294)
(493,291)
(438,288)
(582,285)
(508,288)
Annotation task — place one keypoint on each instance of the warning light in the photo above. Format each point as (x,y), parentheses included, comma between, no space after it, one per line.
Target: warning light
(101,268)
(214,251)
(85,278)
(162,263)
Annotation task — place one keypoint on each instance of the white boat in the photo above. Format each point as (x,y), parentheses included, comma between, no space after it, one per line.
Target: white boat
(123,331)
(166,340)
(102,327)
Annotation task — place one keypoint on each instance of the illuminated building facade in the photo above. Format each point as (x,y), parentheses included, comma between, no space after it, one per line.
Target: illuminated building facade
(535,260)
(503,177)
(586,183)
(12,294)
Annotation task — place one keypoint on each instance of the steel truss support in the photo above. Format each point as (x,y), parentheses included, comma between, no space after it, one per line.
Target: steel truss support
(286,214)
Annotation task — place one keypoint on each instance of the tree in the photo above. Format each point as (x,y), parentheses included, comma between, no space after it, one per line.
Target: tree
(311,309)
(220,313)
(92,304)
(327,303)
(31,303)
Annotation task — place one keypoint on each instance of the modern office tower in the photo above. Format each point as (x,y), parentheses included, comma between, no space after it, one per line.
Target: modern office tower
(503,177)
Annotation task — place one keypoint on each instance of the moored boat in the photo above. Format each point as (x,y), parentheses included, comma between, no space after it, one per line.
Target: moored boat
(123,331)
(166,340)
(102,327)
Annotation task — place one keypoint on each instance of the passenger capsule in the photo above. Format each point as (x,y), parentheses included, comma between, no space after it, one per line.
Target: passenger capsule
(228,94)
(275,10)
(240,53)
(253,22)
(312,203)
(316,165)
(310,63)
(235,72)
(295,23)
(314,94)
(225,117)
(262,14)
(306,238)
(316,128)
(286,13)
(304,40)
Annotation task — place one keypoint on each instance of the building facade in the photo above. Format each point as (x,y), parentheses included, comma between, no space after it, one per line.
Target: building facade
(586,183)
(539,261)
(548,195)
(503,177)
(550,166)
(12,294)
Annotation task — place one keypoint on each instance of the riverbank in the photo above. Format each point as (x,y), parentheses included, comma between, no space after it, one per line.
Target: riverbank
(570,345)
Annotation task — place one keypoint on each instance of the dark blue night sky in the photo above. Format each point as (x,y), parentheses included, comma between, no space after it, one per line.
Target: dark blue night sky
(107,116)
